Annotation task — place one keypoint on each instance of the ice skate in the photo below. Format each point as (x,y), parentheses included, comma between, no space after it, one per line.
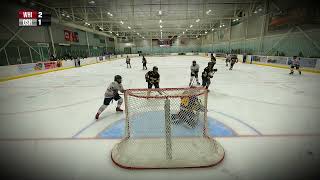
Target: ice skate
(97,116)
(118,109)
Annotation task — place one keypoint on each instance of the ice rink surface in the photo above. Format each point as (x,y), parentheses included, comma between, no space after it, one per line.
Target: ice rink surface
(47,127)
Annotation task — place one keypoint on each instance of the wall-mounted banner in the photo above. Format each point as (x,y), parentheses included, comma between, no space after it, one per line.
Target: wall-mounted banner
(71,36)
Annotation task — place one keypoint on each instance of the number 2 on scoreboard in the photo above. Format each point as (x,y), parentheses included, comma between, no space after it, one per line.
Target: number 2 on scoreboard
(39,14)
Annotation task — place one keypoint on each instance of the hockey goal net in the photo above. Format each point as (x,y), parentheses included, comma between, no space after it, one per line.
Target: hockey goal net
(166,128)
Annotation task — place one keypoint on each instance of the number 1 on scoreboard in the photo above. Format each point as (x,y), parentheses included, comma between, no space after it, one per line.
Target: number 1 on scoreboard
(39,18)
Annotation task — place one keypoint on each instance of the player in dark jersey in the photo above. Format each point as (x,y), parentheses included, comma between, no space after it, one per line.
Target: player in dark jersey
(144,63)
(233,60)
(207,74)
(153,78)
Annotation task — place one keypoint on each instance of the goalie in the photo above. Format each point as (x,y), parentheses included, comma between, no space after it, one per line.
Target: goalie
(190,107)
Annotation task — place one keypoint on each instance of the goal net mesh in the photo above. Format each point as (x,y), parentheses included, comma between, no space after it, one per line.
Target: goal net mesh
(166,128)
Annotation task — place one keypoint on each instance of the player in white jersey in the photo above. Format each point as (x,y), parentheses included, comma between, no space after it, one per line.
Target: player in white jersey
(112,93)
(128,62)
(194,72)
(228,59)
(295,63)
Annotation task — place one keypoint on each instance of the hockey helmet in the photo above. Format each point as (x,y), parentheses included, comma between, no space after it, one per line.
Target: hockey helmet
(210,64)
(194,62)
(118,78)
(155,68)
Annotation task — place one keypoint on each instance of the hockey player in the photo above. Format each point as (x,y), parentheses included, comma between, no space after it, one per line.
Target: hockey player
(228,58)
(153,78)
(190,106)
(194,73)
(295,63)
(233,60)
(112,94)
(144,63)
(213,59)
(207,74)
(128,62)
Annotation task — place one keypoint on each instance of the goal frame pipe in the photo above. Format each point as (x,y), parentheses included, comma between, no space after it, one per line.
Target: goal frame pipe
(126,110)
(130,92)
(167,127)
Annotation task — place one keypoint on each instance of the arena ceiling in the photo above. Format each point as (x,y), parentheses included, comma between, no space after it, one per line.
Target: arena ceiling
(151,18)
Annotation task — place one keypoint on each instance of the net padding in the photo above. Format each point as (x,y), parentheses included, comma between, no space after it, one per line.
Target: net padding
(166,128)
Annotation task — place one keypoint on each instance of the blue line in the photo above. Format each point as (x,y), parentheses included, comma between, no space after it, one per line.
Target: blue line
(83,129)
(234,118)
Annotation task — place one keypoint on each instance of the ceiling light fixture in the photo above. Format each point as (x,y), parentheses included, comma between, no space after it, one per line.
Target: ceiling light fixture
(121,22)
(160,26)
(129,27)
(197,20)
(160,21)
(191,26)
(160,12)
(208,11)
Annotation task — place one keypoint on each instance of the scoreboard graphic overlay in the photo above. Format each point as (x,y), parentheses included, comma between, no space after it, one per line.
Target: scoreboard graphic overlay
(34,18)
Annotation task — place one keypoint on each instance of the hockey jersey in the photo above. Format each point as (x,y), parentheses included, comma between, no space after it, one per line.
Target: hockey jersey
(113,89)
(194,69)
(207,72)
(152,77)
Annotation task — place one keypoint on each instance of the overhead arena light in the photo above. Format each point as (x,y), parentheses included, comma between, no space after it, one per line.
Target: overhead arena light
(160,21)
(68,16)
(160,12)
(62,14)
(212,29)
(191,26)
(186,29)
(138,34)
(208,11)
(183,32)
(129,27)
(160,26)
(117,34)
(91,2)
(121,22)
(206,32)
(197,20)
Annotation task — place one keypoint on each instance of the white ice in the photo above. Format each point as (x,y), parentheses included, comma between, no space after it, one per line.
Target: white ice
(47,126)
